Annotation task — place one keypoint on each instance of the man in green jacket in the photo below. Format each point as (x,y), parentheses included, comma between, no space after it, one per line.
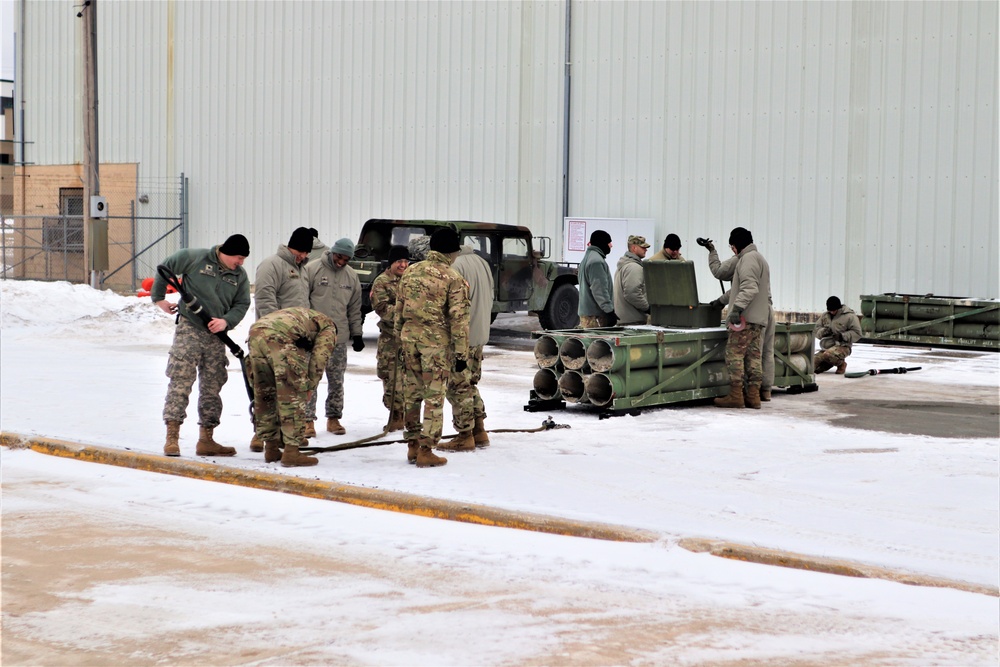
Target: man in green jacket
(597,305)
(216,277)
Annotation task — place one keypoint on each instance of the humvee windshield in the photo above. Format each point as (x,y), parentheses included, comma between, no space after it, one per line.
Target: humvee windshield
(378,238)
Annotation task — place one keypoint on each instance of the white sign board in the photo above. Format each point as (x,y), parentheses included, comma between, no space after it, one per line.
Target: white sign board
(577,231)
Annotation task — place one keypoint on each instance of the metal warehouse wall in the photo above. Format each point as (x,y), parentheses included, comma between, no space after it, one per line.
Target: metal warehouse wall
(321,114)
(857,140)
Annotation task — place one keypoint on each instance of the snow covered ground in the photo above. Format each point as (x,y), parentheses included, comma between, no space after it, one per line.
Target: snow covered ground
(798,475)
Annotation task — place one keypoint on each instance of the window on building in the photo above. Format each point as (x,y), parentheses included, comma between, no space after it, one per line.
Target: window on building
(65,234)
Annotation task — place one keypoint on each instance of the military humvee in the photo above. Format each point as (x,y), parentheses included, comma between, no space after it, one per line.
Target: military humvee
(525,279)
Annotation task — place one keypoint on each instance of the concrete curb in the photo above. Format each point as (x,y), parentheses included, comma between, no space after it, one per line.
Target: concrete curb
(839,566)
(344,493)
(465,512)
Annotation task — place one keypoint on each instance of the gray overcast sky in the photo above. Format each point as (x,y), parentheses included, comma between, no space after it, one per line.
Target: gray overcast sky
(6,39)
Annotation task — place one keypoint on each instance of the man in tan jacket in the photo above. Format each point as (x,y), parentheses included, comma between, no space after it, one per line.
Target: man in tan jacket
(335,291)
(837,330)
(749,301)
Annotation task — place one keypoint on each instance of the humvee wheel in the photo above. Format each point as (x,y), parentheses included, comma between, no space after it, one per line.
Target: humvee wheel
(561,310)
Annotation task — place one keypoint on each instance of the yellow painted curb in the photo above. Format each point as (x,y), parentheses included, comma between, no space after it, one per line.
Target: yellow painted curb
(465,512)
(839,566)
(313,488)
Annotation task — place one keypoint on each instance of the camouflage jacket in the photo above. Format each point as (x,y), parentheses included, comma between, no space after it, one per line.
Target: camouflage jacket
(279,283)
(433,306)
(383,297)
(222,292)
(285,327)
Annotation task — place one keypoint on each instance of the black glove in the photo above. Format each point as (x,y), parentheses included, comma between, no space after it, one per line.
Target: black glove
(460,365)
(359,344)
(304,343)
(839,337)
(611,318)
(709,246)
(734,315)
(715,303)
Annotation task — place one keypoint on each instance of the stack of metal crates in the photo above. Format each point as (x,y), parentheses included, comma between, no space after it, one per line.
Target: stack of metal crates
(679,357)
(931,320)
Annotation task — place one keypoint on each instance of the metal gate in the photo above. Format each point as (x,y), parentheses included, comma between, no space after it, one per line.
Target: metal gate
(145,224)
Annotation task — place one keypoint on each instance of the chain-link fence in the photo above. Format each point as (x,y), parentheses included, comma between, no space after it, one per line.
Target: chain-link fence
(44,238)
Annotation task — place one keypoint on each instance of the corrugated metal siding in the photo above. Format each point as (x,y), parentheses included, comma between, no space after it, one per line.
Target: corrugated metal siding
(856,140)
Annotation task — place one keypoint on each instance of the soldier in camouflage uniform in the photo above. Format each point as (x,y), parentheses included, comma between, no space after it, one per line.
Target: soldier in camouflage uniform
(432,324)
(387,364)
(749,300)
(289,349)
(215,276)
(837,330)
(279,283)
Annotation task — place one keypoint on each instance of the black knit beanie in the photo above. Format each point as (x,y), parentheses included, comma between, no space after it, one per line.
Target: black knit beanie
(301,240)
(740,238)
(236,244)
(398,252)
(601,239)
(445,241)
(672,241)
(833,304)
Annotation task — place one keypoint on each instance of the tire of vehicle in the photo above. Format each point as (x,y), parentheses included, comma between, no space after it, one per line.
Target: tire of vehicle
(561,310)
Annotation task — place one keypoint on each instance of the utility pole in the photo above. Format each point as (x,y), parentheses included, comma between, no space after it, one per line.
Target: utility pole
(95,228)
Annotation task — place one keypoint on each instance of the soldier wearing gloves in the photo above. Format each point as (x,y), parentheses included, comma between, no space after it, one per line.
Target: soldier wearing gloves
(631,304)
(468,409)
(384,292)
(335,291)
(724,271)
(597,306)
(749,307)
(838,329)
(289,350)
(432,324)
(216,277)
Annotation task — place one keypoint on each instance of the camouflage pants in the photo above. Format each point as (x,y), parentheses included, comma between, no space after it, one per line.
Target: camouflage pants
(463,393)
(593,321)
(195,354)
(281,386)
(827,359)
(335,368)
(389,369)
(767,353)
(425,380)
(743,352)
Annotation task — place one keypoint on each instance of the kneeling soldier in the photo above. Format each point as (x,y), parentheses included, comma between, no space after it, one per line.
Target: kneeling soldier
(289,350)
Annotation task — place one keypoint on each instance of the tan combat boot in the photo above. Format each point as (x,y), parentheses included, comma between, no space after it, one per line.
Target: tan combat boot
(209,447)
(256,444)
(753,397)
(333,426)
(310,430)
(841,368)
(291,458)
(479,433)
(427,458)
(395,421)
(272,451)
(765,395)
(463,442)
(411,451)
(733,400)
(172,447)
